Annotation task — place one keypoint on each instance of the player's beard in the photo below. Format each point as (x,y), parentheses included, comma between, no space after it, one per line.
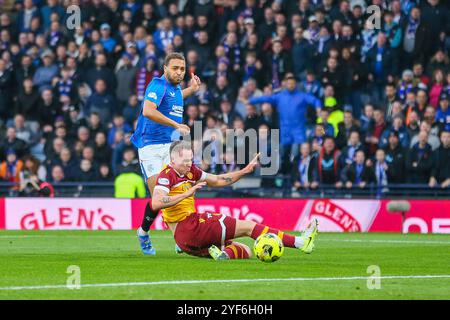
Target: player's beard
(175,80)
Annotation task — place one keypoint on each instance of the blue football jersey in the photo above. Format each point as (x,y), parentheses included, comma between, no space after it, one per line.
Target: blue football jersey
(169,100)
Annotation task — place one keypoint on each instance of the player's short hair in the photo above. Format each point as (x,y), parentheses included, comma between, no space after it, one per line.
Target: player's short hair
(178,146)
(173,55)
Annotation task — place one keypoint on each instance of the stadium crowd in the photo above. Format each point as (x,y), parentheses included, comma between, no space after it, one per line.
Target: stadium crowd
(378,109)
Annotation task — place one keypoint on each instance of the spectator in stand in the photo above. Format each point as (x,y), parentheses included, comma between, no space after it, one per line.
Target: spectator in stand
(429,117)
(125,80)
(443,113)
(11,168)
(366,120)
(388,101)
(381,170)
(373,138)
(349,152)
(437,86)
(252,119)
(57,175)
(438,61)
(27,102)
(86,172)
(270,116)
(6,85)
(311,84)
(95,124)
(49,108)
(413,124)
(102,102)
(105,174)
(102,150)
(395,158)
(346,127)
(131,110)
(323,119)
(335,116)
(279,62)
(101,71)
(304,172)
(358,174)
(45,74)
(227,114)
(23,131)
(419,160)
(440,174)
(12,142)
(129,163)
(31,177)
(302,52)
(433,140)
(400,129)
(328,164)
(118,124)
(416,39)
(68,164)
(382,66)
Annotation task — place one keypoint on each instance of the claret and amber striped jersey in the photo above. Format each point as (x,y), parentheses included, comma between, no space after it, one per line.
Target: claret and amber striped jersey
(172,182)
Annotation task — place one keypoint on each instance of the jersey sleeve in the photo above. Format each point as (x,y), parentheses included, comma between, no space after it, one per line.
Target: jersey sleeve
(165,180)
(155,91)
(198,174)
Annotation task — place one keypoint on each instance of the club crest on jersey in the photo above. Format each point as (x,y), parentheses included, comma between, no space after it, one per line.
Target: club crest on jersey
(152,95)
(163,181)
(189,175)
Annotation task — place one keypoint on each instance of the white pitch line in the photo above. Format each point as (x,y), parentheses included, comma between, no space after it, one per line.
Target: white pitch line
(385,241)
(181,282)
(75,236)
(321,239)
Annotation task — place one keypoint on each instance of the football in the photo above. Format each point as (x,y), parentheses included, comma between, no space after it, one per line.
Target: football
(268,247)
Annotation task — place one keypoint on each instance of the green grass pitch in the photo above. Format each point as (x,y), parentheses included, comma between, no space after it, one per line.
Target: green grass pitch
(112,267)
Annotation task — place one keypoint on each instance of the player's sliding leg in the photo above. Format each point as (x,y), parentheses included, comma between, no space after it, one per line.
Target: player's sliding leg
(304,242)
(235,250)
(149,217)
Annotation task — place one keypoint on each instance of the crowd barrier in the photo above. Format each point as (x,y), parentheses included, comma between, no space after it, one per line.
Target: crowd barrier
(425,216)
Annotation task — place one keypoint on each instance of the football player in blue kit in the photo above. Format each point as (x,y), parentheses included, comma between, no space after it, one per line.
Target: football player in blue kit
(160,123)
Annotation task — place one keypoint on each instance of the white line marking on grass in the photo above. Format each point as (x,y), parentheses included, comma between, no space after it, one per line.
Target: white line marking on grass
(170,237)
(384,241)
(181,282)
(77,236)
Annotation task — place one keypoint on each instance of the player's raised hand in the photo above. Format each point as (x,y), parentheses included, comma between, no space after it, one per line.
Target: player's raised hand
(183,129)
(196,187)
(251,166)
(195,82)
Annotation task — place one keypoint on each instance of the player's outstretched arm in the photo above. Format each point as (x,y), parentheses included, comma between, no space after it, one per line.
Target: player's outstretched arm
(194,86)
(150,111)
(161,199)
(226,179)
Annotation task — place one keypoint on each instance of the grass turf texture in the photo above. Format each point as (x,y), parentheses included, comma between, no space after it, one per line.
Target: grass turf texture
(38,258)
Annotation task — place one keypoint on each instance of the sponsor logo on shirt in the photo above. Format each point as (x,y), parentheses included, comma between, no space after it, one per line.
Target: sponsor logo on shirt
(177,111)
(152,95)
(163,181)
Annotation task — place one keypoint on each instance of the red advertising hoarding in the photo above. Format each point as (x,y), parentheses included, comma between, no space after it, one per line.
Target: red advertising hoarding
(334,215)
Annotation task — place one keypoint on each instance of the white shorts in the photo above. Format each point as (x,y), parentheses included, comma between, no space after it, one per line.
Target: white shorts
(152,159)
